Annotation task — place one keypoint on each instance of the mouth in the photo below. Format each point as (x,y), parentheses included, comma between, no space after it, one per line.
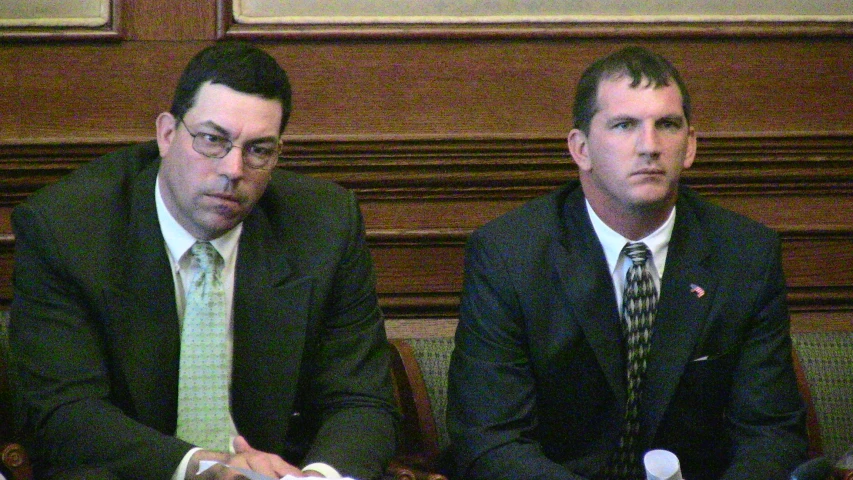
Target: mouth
(649,172)
(225,198)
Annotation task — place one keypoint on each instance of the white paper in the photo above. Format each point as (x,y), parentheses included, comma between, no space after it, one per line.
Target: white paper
(205,464)
(662,465)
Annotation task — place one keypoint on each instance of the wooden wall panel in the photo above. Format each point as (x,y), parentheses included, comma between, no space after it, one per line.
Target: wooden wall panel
(512,88)
(156,20)
(9,121)
(92,93)
(438,134)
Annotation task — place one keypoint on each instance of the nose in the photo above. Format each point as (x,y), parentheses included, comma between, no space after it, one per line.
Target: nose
(648,141)
(231,165)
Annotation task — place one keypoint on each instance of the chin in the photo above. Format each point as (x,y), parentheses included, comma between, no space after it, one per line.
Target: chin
(652,202)
(217,227)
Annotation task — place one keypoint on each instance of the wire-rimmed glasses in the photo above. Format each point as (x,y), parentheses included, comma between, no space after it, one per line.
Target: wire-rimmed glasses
(258,155)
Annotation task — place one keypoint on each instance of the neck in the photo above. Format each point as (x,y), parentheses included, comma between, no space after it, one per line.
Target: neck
(632,223)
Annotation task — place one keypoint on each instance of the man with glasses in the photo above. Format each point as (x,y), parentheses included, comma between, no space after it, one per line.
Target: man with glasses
(183,301)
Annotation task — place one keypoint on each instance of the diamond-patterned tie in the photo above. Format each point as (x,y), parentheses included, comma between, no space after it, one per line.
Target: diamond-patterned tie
(639,306)
(205,366)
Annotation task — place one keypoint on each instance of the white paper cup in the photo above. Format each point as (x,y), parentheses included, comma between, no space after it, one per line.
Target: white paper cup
(662,465)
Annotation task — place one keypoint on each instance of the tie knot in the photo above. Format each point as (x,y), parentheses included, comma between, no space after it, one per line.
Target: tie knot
(206,256)
(638,252)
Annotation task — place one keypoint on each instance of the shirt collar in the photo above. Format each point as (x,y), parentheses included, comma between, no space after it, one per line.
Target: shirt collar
(612,242)
(179,240)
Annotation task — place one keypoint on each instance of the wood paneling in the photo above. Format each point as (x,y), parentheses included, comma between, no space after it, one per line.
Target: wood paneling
(763,27)
(437,89)
(156,20)
(439,133)
(111,30)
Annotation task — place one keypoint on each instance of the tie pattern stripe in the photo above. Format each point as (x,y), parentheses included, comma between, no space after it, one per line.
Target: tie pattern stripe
(205,366)
(639,306)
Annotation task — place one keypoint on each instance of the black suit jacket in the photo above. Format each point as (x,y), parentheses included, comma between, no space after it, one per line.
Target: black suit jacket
(537,379)
(96,339)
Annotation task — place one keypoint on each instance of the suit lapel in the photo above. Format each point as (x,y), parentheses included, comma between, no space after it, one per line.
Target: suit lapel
(142,321)
(589,290)
(271,311)
(681,315)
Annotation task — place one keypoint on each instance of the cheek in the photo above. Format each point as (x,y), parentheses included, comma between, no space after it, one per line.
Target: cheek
(256,186)
(679,155)
(611,163)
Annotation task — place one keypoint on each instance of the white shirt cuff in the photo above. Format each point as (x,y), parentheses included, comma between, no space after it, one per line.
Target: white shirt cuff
(325,470)
(181,471)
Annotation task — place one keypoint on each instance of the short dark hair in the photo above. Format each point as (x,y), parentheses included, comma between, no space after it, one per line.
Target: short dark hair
(236,65)
(637,63)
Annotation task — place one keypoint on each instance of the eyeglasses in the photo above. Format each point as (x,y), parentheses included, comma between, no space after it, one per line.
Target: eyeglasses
(261,155)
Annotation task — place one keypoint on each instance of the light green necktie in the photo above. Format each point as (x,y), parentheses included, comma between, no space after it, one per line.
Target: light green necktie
(205,366)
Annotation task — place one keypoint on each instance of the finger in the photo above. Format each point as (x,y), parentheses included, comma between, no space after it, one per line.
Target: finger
(283,468)
(241,445)
(271,465)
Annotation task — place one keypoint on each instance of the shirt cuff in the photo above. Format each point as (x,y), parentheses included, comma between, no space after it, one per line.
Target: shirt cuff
(181,471)
(325,470)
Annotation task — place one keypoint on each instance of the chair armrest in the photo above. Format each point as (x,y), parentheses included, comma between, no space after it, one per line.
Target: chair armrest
(399,470)
(14,459)
(418,429)
(818,468)
(843,474)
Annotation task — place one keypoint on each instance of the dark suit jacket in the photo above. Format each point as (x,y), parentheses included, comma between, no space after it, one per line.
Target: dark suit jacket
(96,339)
(537,379)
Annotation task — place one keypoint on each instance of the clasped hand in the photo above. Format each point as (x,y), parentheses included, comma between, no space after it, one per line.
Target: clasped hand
(244,457)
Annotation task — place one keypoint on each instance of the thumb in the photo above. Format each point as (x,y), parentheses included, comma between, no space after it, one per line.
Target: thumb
(241,445)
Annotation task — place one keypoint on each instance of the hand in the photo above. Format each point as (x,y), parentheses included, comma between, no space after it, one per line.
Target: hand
(245,457)
(216,472)
(261,462)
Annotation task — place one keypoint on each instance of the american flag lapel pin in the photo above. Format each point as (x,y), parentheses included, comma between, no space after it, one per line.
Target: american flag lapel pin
(699,291)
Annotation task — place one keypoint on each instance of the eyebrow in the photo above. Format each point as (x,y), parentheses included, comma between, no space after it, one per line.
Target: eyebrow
(621,118)
(673,118)
(628,118)
(225,133)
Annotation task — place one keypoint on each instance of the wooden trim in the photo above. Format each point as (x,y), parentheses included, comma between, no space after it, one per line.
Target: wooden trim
(815,447)
(421,327)
(226,28)
(484,167)
(419,435)
(224,18)
(112,31)
(746,169)
(626,30)
(822,319)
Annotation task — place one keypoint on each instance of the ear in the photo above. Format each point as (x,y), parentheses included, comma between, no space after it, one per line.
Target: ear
(167,127)
(690,154)
(579,149)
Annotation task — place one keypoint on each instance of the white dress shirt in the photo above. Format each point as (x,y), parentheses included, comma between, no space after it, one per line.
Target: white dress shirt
(613,243)
(178,243)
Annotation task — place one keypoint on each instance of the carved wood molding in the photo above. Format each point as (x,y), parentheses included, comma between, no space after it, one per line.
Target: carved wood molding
(487,167)
(112,30)
(825,300)
(642,28)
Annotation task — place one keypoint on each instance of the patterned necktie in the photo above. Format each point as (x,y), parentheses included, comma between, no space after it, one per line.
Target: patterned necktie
(205,366)
(639,305)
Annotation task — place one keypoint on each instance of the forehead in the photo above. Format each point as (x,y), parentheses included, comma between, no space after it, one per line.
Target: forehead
(236,111)
(616,97)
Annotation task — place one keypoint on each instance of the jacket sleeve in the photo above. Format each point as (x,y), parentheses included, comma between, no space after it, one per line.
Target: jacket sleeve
(766,412)
(351,390)
(62,371)
(492,399)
